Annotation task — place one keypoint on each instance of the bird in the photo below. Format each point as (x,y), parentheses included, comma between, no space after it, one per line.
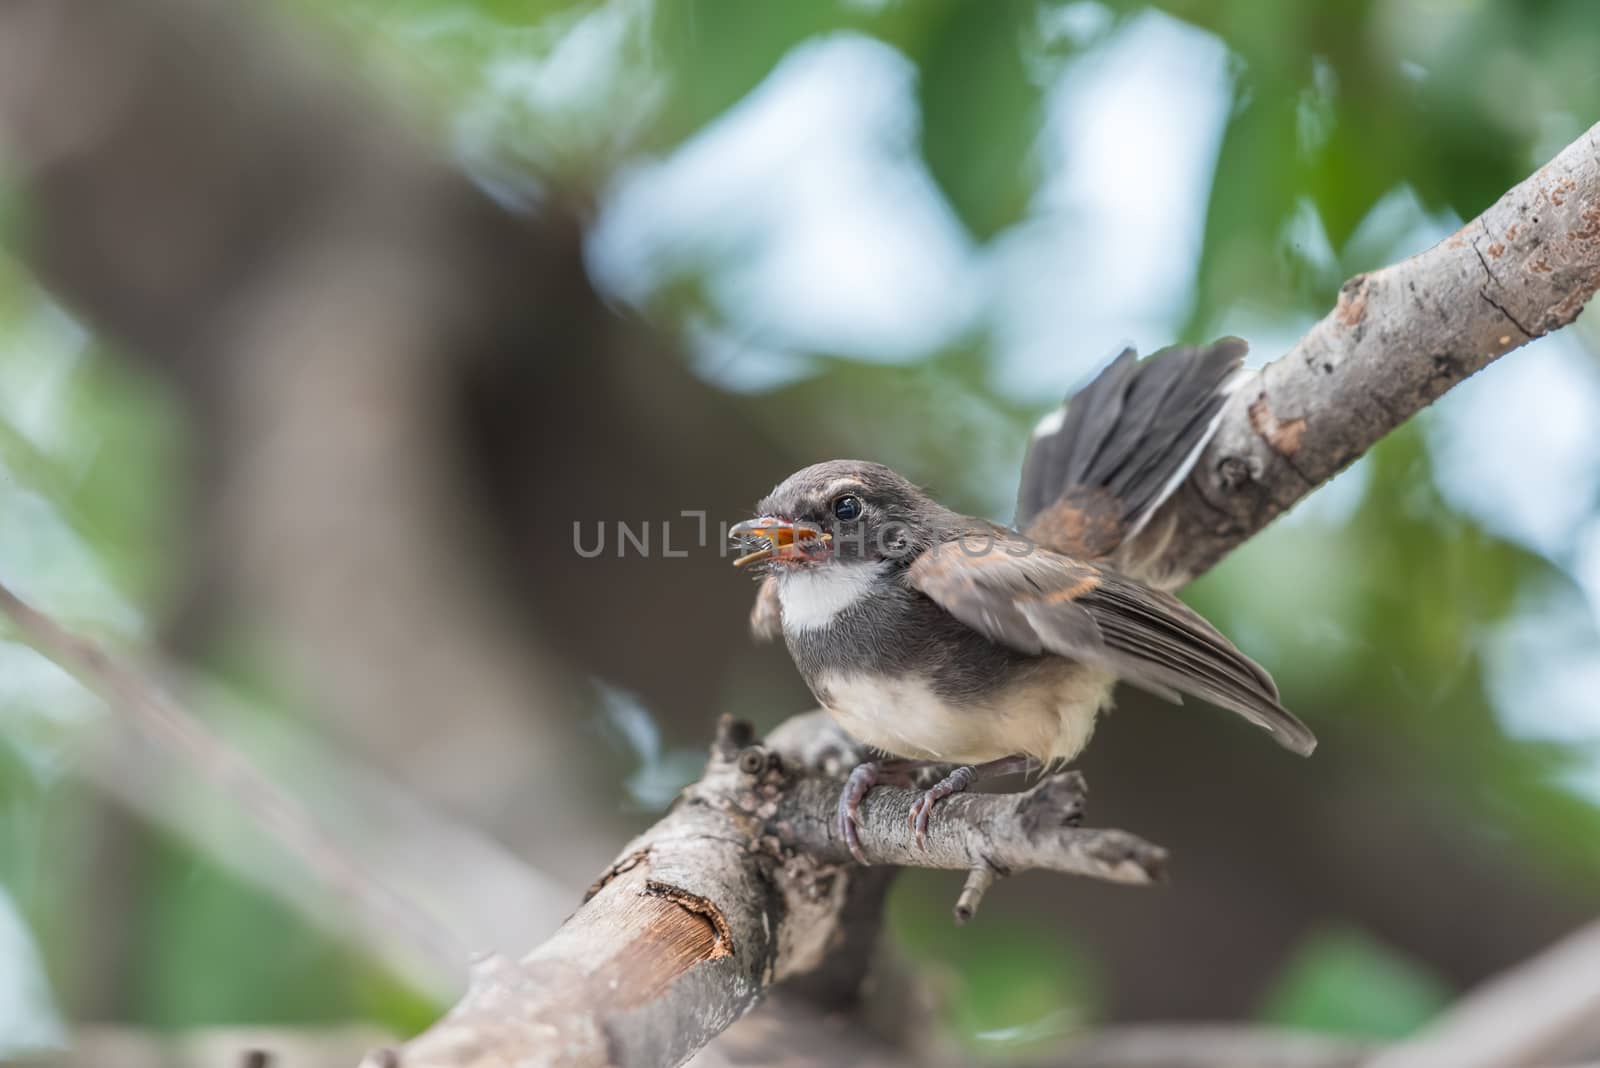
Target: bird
(937,638)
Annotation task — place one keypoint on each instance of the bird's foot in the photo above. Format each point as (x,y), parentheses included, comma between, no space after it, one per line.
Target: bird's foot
(922,808)
(857,786)
(955,782)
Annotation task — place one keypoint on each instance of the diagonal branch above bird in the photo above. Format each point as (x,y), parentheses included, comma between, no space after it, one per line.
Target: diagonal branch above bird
(938,638)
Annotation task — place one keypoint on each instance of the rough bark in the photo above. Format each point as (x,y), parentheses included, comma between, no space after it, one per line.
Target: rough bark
(745,883)
(1396,340)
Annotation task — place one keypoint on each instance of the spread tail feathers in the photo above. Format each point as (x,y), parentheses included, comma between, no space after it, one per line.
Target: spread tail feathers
(1100,465)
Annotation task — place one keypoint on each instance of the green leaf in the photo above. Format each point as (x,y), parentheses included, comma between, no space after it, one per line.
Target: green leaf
(716,51)
(980,112)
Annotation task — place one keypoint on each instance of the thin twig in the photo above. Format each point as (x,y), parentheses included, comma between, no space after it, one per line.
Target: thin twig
(979,879)
(147,707)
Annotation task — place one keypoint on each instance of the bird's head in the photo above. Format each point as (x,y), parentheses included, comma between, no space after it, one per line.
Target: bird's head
(839,512)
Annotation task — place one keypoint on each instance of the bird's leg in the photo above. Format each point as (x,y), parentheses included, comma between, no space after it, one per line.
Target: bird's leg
(859,784)
(957,781)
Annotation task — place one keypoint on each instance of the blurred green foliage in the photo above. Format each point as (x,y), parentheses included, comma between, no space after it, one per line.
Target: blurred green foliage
(90,444)
(1333,107)
(1015,988)
(1344,982)
(197,914)
(980,110)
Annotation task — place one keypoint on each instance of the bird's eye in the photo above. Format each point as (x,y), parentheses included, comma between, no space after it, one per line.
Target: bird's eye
(846,508)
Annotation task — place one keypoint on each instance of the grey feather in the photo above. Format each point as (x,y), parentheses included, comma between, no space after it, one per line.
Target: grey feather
(1043,600)
(1131,430)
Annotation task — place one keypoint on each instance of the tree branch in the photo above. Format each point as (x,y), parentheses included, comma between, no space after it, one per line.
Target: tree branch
(1002,834)
(1210,1046)
(782,1034)
(745,883)
(1544,1011)
(1396,340)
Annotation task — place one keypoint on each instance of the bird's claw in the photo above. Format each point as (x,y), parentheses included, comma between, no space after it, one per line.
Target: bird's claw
(860,783)
(922,808)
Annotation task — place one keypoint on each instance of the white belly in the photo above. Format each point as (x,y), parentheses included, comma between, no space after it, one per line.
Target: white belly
(1050,719)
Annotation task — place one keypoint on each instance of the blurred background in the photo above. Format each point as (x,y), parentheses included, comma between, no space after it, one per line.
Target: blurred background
(878,228)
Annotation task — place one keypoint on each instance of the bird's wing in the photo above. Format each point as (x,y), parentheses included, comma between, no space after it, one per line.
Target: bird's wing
(766,615)
(1037,601)
(1103,463)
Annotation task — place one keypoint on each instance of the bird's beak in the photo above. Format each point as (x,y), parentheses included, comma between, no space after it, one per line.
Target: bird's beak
(785,538)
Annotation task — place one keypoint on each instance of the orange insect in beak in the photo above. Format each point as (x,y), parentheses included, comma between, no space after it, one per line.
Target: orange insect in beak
(785,538)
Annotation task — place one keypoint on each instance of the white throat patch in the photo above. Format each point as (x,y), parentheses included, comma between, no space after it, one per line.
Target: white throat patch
(812,596)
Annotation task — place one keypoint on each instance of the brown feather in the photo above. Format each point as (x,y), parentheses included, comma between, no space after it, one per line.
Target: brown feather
(1085,522)
(1039,601)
